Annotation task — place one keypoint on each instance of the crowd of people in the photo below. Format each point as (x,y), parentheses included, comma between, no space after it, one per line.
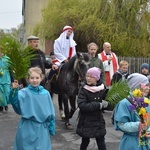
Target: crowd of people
(38,119)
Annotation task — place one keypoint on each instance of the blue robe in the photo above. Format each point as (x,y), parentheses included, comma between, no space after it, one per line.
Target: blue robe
(5,81)
(37,122)
(130,139)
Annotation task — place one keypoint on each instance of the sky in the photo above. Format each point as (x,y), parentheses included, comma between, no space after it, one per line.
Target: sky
(10,13)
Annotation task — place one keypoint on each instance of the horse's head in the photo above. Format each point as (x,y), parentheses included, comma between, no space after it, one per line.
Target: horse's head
(81,65)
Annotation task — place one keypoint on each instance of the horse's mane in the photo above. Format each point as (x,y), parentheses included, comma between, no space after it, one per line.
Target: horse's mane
(70,64)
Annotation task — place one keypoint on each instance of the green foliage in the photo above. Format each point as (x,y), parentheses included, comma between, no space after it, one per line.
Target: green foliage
(19,59)
(118,91)
(122,23)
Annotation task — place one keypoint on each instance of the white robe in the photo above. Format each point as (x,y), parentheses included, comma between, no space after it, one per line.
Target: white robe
(109,66)
(62,47)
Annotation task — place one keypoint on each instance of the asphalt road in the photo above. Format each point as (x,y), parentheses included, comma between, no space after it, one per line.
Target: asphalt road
(64,139)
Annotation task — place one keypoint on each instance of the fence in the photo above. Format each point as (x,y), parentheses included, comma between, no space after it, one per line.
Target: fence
(134,63)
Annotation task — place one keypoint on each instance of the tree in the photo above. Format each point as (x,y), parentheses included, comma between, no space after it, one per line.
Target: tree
(123,23)
(14,32)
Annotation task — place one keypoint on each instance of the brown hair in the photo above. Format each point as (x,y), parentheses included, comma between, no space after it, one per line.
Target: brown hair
(123,63)
(91,44)
(37,70)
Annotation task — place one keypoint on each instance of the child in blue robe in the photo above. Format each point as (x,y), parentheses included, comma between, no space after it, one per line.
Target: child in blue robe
(35,106)
(5,82)
(128,121)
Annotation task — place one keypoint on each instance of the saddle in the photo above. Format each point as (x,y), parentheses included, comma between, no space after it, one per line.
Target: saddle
(52,83)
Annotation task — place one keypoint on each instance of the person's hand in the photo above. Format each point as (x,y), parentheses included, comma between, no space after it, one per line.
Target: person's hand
(15,84)
(147,135)
(144,126)
(66,60)
(109,58)
(21,86)
(104,104)
(54,67)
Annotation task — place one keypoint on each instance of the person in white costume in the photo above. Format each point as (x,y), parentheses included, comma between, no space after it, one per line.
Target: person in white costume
(64,46)
(64,49)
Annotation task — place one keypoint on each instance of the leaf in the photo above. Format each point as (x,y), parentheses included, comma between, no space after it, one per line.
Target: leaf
(118,91)
(19,58)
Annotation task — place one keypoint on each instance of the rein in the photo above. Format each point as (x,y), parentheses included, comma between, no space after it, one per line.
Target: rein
(78,71)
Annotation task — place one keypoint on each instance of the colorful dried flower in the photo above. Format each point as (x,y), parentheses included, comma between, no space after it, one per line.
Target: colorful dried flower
(137,93)
(139,103)
(142,111)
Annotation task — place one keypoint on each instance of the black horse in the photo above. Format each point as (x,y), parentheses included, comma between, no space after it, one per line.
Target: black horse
(71,73)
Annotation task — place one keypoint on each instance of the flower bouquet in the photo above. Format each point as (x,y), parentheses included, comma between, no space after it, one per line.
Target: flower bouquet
(138,100)
(139,103)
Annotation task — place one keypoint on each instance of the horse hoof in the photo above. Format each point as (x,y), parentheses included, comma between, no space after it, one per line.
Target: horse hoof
(69,126)
(62,115)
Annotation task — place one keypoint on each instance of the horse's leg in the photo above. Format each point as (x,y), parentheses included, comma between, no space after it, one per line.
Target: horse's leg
(66,110)
(72,101)
(60,103)
(51,94)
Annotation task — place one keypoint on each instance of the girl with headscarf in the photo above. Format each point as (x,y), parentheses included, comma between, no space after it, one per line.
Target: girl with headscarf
(128,121)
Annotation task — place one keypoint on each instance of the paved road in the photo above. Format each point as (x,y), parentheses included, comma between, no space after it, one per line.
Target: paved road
(63,140)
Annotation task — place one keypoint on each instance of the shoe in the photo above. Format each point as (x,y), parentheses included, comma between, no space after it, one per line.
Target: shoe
(6,108)
(1,109)
(68,126)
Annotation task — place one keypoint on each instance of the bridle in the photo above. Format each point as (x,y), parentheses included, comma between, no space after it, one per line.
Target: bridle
(79,70)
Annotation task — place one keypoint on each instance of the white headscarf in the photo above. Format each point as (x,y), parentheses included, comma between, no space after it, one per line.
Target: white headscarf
(62,45)
(135,80)
(63,35)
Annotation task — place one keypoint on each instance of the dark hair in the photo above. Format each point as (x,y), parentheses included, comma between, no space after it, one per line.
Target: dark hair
(51,53)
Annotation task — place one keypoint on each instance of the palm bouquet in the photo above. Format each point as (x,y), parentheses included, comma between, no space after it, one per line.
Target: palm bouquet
(18,58)
(118,91)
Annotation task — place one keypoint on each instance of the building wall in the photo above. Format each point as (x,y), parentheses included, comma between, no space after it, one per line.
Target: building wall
(32,13)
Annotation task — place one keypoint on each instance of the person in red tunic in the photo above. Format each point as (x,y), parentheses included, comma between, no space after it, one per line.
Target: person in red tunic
(110,63)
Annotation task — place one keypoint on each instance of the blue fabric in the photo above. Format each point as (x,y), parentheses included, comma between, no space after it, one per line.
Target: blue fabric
(4,67)
(37,123)
(51,73)
(5,81)
(130,140)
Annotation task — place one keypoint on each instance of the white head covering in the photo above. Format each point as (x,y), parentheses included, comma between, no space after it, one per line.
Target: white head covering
(32,37)
(64,47)
(63,35)
(135,79)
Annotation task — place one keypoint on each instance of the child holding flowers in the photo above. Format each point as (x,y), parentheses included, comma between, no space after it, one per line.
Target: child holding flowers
(35,106)
(131,115)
